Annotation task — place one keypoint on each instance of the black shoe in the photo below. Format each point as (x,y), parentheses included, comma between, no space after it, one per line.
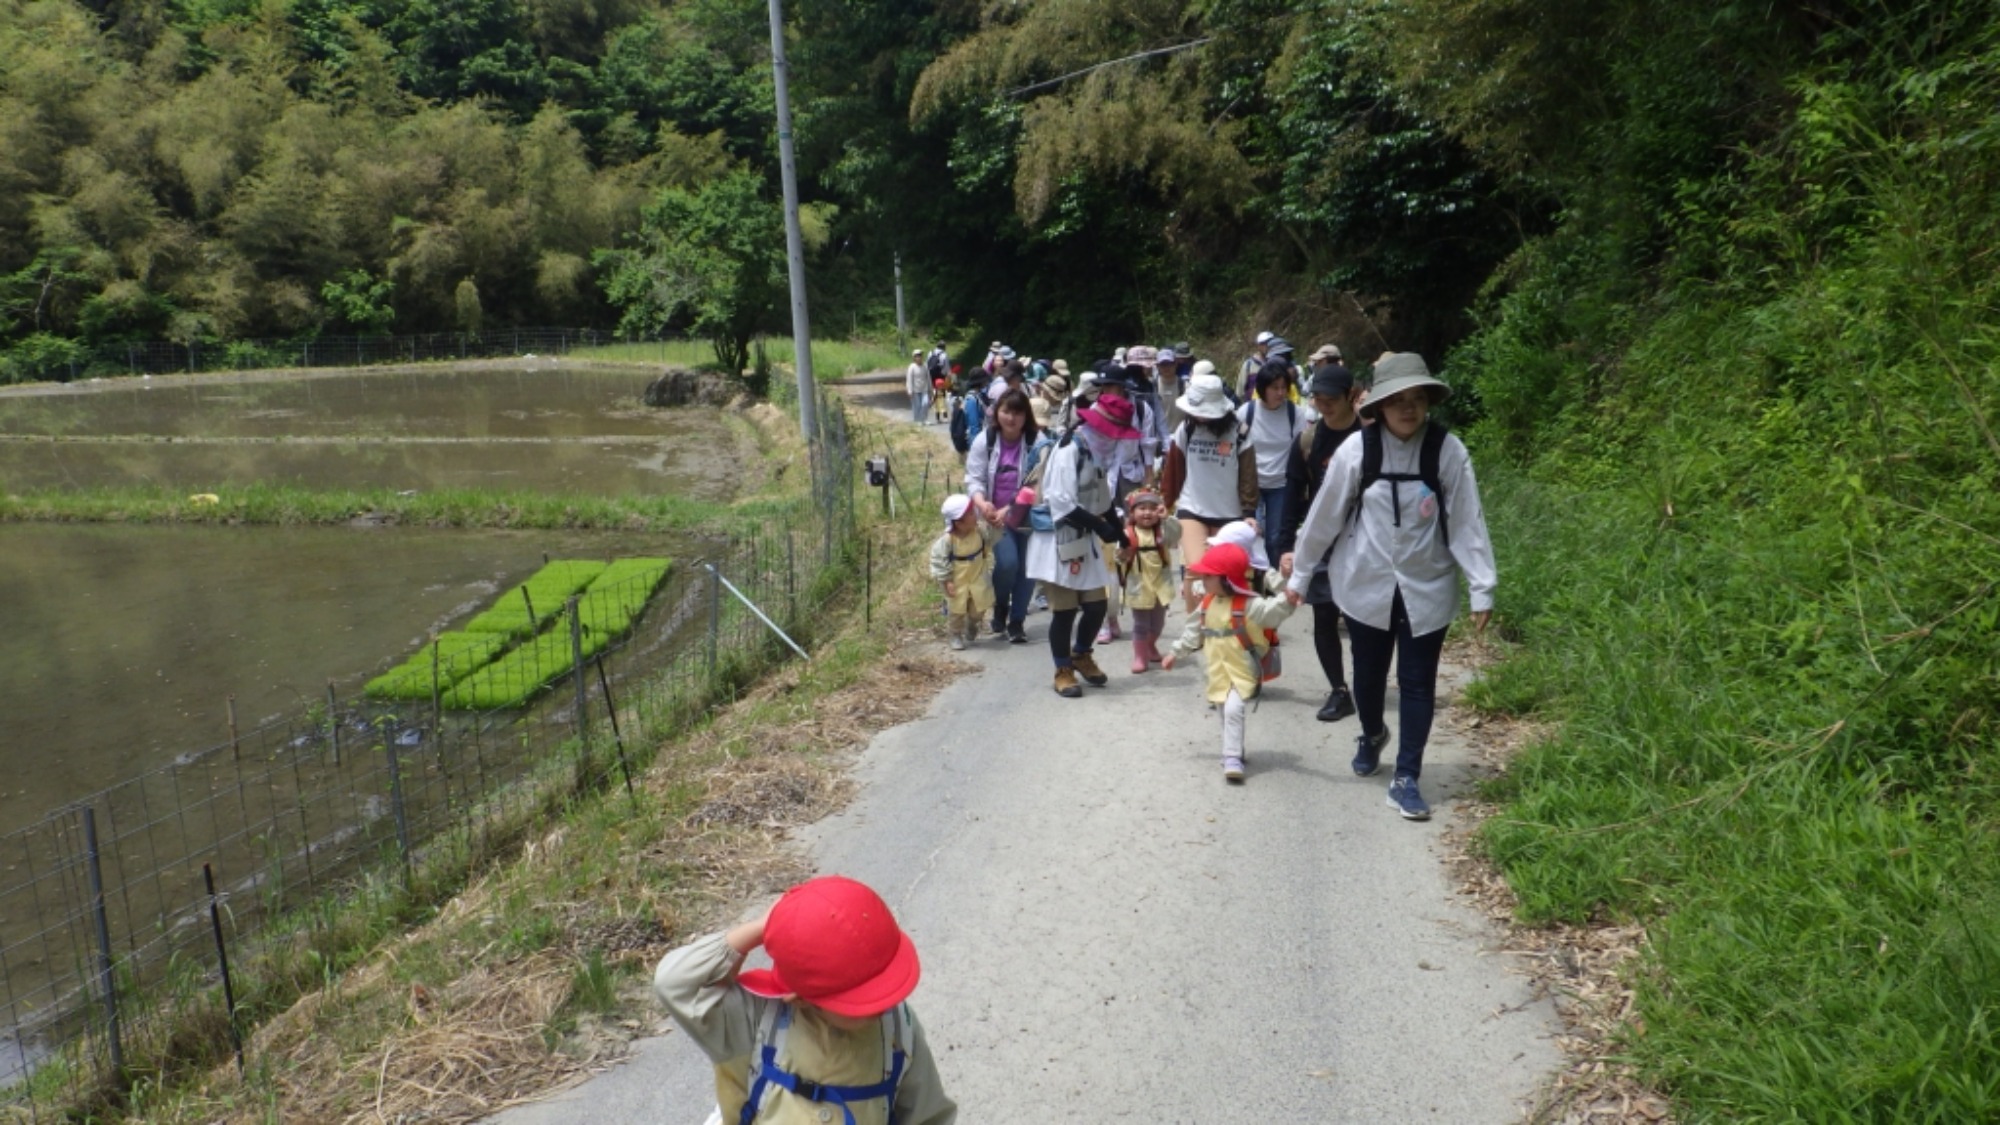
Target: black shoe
(1017,635)
(1339,705)
(1368,752)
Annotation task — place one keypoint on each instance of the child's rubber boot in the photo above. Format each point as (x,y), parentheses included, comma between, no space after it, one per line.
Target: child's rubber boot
(1153,650)
(1086,666)
(1138,655)
(1066,685)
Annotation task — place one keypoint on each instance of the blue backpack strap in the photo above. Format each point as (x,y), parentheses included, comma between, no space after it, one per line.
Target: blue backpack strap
(769,1073)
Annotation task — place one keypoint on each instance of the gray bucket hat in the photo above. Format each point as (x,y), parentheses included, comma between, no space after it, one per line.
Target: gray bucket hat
(1398,372)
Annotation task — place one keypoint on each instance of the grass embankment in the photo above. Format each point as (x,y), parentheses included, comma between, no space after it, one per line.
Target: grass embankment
(291,506)
(1754,561)
(540,968)
(832,359)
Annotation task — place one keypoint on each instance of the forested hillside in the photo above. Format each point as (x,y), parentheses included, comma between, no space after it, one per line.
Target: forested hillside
(1715,283)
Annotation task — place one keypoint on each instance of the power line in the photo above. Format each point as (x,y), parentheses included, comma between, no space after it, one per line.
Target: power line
(1114,62)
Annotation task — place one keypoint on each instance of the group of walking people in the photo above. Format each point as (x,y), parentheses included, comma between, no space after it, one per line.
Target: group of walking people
(1236,506)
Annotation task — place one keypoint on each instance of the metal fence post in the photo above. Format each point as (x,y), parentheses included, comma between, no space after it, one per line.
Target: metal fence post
(106,980)
(582,693)
(396,806)
(791,572)
(333,721)
(714,616)
(222,960)
(617,736)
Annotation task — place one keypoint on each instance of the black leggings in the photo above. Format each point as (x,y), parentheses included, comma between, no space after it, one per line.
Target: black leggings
(1085,622)
(1326,642)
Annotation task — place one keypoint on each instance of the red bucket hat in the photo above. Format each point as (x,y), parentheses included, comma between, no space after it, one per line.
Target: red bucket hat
(1228,562)
(834,945)
(1111,416)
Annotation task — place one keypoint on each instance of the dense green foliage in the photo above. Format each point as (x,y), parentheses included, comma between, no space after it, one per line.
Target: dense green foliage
(1736,421)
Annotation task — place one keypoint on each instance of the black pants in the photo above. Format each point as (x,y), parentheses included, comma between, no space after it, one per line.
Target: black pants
(1416,682)
(1066,645)
(1326,643)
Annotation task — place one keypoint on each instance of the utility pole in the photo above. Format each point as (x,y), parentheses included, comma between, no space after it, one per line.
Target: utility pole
(794,242)
(902,333)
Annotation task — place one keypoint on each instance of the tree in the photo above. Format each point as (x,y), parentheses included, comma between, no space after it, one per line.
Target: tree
(360,301)
(710,261)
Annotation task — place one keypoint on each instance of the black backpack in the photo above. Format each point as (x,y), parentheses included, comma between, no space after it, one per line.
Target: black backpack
(961,430)
(1427,472)
(935,366)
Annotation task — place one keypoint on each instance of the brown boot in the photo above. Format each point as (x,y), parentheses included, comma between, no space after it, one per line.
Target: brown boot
(1086,666)
(1066,685)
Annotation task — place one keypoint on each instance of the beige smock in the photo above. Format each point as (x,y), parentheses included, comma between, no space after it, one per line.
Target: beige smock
(1230,665)
(1149,579)
(967,561)
(697,983)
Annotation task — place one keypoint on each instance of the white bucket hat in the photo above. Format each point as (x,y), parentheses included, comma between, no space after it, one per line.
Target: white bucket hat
(1205,398)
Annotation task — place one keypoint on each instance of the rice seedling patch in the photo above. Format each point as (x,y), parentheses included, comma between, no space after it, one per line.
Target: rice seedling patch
(615,597)
(522,611)
(457,655)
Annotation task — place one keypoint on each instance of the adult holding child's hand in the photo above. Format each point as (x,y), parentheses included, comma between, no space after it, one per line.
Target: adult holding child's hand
(1400,511)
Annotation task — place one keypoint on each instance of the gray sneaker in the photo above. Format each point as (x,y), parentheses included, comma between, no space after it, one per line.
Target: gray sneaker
(1404,798)
(958,642)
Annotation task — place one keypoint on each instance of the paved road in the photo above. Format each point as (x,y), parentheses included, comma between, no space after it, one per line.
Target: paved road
(1110,932)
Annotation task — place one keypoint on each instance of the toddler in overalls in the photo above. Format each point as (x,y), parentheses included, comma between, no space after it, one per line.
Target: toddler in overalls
(822,1035)
(1228,627)
(1146,571)
(962,559)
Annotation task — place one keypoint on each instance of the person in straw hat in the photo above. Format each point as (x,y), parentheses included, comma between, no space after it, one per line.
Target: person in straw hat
(1210,477)
(1400,510)
(826,1033)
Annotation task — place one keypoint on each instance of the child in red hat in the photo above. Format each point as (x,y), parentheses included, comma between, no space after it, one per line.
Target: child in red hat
(1233,629)
(825,1028)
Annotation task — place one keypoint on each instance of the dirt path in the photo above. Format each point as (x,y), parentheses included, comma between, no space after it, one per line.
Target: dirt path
(1109,931)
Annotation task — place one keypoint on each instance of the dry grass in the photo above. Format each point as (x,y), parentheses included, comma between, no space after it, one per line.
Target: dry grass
(1585,968)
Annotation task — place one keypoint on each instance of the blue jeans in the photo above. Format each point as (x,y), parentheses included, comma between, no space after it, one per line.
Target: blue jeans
(920,406)
(1012,588)
(1271,519)
(1416,682)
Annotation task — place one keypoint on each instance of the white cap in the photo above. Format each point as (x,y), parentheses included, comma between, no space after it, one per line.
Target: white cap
(1266,337)
(1246,537)
(1201,367)
(954,507)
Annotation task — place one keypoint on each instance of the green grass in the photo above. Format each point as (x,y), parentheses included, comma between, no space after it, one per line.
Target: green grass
(286,505)
(606,612)
(523,610)
(832,359)
(456,656)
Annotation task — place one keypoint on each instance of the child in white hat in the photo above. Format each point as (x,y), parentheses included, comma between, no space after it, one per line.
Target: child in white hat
(962,559)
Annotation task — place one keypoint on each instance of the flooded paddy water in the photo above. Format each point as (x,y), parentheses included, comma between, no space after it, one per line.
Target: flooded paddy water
(122,645)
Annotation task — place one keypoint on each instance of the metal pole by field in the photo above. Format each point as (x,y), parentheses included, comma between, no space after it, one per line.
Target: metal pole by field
(902,333)
(222,961)
(795,252)
(868,585)
(106,980)
(617,736)
(582,693)
(714,614)
(396,806)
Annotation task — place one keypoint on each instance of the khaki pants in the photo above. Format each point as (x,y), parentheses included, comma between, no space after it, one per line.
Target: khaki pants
(1062,597)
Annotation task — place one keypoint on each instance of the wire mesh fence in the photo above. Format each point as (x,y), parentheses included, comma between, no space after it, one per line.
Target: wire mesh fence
(111,940)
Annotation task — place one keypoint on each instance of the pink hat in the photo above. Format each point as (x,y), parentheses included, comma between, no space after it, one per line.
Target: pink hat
(1110,415)
(834,945)
(1226,561)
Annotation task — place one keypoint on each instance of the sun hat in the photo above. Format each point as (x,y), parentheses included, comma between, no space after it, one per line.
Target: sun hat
(1240,533)
(1141,355)
(916,351)
(1205,398)
(1266,336)
(1060,367)
(1324,352)
(1226,561)
(1056,386)
(995,346)
(1201,367)
(1397,372)
(1280,347)
(1168,355)
(834,945)
(1140,496)
(954,506)
(1331,380)
(1118,357)
(1110,415)
(1040,407)
(1006,353)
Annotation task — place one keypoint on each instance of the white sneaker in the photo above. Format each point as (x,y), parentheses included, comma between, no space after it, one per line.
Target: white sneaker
(957,642)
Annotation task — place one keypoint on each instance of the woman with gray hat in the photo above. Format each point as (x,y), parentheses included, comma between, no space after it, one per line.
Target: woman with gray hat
(1400,511)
